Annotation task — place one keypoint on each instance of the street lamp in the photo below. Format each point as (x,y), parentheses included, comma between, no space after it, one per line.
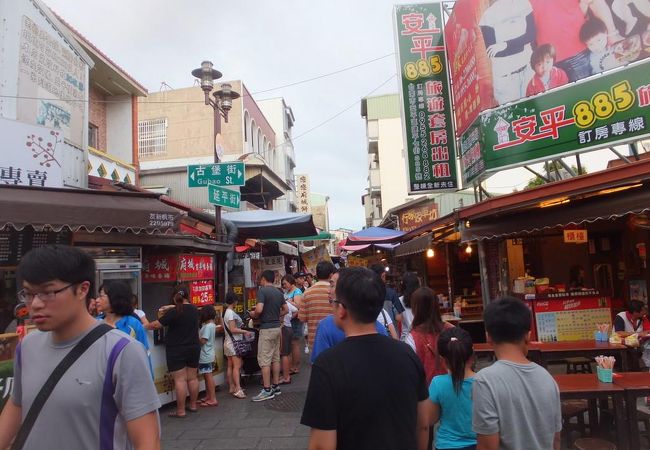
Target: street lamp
(221,105)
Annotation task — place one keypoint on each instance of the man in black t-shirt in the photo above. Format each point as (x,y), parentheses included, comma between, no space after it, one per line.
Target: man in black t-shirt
(353,401)
(270,307)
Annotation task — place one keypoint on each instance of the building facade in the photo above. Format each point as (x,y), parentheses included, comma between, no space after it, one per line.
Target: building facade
(175,130)
(387,183)
(282,158)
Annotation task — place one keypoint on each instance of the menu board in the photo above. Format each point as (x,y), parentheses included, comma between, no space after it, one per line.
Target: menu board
(571,319)
(14,244)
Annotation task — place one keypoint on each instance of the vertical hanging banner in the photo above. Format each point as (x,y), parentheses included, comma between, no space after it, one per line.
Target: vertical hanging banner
(426,101)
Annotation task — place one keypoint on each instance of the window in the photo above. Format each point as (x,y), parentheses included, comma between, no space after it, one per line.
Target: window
(152,137)
(93,135)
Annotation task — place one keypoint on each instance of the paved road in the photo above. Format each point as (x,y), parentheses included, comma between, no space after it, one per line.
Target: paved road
(242,424)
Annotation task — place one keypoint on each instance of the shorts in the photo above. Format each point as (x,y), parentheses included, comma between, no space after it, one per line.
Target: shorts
(268,347)
(285,343)
(297,328)
(206,368)
(182,356)
(228,348)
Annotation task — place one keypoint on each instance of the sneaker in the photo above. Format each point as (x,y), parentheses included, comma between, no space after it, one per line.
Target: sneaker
(276,390)
(264,395)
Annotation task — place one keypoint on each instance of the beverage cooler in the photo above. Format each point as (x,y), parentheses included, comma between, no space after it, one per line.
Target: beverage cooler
(118,263)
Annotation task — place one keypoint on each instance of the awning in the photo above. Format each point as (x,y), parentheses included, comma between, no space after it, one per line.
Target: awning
(322,236)
(264,224)
(188,242)
(354,248)
(373,235)
(89,210)
(416,245)
(573,212)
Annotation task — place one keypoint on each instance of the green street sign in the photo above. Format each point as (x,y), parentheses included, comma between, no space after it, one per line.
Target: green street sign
(223,196)
(222,174)
(609,110)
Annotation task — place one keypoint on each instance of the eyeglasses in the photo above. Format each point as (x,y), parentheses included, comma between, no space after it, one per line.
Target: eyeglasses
(47,296)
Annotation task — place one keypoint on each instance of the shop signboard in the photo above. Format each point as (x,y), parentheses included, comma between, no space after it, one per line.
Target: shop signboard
(599,112)
(221,174)
(223,196)
(425,97)
(314,256)
(275,264)
(575,237)
(303,194)
(32,155)
(571,319)
(202,292)
(196,267)
(491,45)
(415,217)
(159,269)
(14,244)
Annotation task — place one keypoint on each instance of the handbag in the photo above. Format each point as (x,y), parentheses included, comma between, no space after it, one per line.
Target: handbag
(55,376)
(242,348)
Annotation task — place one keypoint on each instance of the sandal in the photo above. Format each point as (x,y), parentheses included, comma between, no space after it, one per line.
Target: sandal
(195,410)
(175,415)
(239,394)
(294,371)
(285,381)
(208,404)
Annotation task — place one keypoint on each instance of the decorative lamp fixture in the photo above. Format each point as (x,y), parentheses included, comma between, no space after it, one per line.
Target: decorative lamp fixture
(431,253)
(468,249)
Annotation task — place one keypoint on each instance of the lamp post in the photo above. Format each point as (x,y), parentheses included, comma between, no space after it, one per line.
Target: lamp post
(221,106)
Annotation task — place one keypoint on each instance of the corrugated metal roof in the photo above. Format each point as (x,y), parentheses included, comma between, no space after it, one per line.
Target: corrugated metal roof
(383,107)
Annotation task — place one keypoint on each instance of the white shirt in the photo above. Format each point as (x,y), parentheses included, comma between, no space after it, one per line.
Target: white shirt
(232,315)
(407,320)
(384,318)
(286,320)
(140,313)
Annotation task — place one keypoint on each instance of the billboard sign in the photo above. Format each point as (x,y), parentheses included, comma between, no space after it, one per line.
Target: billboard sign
(303,194)
(413,218)
(222,174)
(599,112)
(501,51)
(425,98)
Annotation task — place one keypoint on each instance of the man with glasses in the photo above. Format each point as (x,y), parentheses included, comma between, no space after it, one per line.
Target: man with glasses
(107,398)
(353,401)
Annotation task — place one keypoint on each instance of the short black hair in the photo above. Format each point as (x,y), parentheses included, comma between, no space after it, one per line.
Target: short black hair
(268,275)
(540,53)
(57,262)
(507,320)
(230,298)
(379,269)
(635,306)
(323,270)
(361,292)
(120,297)
(289,279)
(207,313)
(591,28)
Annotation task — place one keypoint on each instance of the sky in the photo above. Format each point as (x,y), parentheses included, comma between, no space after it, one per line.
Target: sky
(268,44)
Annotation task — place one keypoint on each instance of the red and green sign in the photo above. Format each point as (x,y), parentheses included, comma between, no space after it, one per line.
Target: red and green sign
(426,100)
(596,113)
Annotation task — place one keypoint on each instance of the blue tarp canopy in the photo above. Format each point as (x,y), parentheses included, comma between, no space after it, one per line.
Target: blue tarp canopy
(374,235)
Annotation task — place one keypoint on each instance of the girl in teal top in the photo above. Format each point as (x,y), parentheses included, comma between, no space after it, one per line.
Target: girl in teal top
(451,394)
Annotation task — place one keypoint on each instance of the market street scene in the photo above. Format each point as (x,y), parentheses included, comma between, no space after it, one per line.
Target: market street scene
(361,225)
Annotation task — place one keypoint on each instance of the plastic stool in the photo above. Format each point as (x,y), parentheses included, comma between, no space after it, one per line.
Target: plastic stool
(593,444)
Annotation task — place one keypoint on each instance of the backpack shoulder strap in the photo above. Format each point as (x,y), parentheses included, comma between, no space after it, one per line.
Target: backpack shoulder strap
(53,380)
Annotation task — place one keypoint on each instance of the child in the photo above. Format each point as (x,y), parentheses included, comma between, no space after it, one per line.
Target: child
(593,34)
(547,76)
(206,360)
(516,402)
(451,394)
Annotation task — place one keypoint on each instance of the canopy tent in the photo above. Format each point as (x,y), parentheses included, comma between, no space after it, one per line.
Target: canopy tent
(263,224)
(321,236)
(374,235)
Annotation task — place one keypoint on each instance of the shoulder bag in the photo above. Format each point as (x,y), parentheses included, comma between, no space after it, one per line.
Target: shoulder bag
(243,348)
(53,380)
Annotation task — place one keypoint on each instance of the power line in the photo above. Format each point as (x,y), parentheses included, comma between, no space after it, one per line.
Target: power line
(308,80)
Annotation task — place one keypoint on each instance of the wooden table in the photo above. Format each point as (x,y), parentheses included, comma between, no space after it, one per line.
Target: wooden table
(487,349)
(586,386)
(635,384)
(559,350)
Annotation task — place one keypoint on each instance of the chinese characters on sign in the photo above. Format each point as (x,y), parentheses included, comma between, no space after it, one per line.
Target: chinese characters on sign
(49,69)
(221,174)
(202,293)
(32,155)
(196,267)
(223,196)
(426,101)
(416,217)
(162,220)
(303,193)
(159,269)
(575,236)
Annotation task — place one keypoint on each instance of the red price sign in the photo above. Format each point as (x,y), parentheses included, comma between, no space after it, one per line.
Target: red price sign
(202,293)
